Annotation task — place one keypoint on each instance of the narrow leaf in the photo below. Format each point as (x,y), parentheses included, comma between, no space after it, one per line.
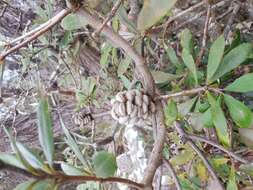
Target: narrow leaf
(71,170)
(17,151)
(172,55)
(233,59)
(171,112)
(46,130)
(189,62)
(232,185)
(219,120)
(72,144)
(186,40)
(161,77)
(123,66)
(185,108)
(31,158)
(240,113)
(215,56)
(242,84)
(246,136)
(207,118)
(184,157)
(72,22)
(24,186)
(152,12)
(105,164)
(123,17)
(12,160)
(43,185)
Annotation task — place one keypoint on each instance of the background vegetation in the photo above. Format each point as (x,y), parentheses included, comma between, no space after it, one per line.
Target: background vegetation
(126,94)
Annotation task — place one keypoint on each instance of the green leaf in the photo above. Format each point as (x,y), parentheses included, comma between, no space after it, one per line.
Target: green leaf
(240,113)
(105,54)
(185,108)
(189,62)
(186,40)
(43,185)
(182,158)
(45,130)
(202,172)
(24,186)
(242,84)
(17,152)
(72,144)
(31,158)
(246,136)
(232,180)
(105,164)
(215,56)
(161,77)
(123,17)
(124,65)
(71,170)
(219,120)
(89,185)
(207,118)
(233,59)
(171,112)
(72,22)
(172,56)
(12,160)
(195,120)
(152,12)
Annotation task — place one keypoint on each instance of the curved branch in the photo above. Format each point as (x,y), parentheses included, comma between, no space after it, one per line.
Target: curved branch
(155,158)
(149,87)
(117,40)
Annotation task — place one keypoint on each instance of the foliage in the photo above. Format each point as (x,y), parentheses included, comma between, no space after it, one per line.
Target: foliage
(207,98)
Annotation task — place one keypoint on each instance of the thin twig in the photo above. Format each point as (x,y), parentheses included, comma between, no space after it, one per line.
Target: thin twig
(183,93)
(202,51)
(190,92)
(197,16)
(183,135)
(231,19)
(207,164)
(56,19)
(102,180)
(108,18)
(171,19)
(65,178)
(173,174)
(230,153)
(3,10)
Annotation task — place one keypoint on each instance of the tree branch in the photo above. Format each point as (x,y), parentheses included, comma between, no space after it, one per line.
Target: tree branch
(109,17)
(52,22)
(61,177)
(202,139)
(156,154)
